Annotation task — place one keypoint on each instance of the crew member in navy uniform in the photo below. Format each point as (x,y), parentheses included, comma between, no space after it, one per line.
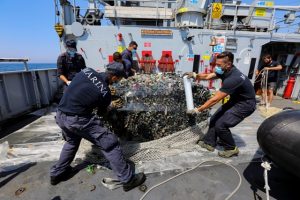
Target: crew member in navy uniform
(272,68)
(87,91)
(127,58)
(240,105)
(69,63)
(117,57)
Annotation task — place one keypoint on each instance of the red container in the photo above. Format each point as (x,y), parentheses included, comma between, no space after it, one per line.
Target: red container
(289,88)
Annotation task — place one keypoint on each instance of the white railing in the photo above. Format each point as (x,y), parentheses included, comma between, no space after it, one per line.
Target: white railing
(9,60)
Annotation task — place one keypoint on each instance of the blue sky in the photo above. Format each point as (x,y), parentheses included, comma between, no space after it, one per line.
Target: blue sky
(27,29)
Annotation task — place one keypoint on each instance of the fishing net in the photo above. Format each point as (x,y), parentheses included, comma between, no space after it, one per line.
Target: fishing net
(154,107)
(177,143)
(154,115)
(153,123)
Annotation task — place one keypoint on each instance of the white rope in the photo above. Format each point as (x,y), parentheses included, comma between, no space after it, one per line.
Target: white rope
(261,72)
(267,166)
(201,163)
(264,86)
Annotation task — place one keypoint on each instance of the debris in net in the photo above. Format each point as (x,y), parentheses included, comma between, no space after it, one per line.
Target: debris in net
(92,188)
(154,107)
(91,169)
(4,147)
(20,191)
(143,188)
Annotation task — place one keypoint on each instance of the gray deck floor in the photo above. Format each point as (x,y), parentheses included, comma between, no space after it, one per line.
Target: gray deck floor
(39,145)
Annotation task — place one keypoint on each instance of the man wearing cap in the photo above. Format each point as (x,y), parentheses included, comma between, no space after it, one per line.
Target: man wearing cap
(69,63)
(127,55)
(87,91)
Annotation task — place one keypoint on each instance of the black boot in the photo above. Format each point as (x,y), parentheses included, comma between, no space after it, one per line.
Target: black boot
(136,180)
(68,173)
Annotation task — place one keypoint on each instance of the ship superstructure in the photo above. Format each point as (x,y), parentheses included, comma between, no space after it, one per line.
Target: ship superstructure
(186,30)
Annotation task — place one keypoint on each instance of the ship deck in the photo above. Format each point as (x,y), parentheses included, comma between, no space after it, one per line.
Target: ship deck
(37,143)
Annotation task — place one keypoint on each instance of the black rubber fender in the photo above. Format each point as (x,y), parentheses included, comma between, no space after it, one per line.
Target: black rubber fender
(279,138)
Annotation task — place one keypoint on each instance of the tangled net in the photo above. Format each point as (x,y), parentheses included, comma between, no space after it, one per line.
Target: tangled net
(154,107)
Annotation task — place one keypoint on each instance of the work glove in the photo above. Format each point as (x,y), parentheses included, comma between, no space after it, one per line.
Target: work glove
(193,112)
(190,74)
(68,83)
(115,104)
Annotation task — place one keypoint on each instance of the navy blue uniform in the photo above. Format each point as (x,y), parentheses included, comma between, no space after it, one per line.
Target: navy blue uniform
(241,104)
(69,66)
(128,61)
(88,90)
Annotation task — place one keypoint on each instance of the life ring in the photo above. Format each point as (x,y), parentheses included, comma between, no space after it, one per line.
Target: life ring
(90,19)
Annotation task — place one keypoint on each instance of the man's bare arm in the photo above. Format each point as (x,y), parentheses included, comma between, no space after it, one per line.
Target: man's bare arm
(206,76)
(63,78)
(277,68)
(212,101)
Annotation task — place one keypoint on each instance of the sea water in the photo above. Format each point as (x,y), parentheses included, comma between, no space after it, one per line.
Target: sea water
(8,67)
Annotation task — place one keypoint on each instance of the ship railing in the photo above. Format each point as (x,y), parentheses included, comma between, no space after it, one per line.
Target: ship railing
(251,17)
(147,9)
(13,65)
(156,1)
(244,17)
(156,9)
(24,90)
(11,60)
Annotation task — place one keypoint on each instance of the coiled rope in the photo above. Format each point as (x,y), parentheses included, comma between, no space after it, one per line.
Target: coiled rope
(198,165)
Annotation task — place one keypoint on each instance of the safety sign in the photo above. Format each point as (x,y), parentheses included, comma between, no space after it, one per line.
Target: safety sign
(182,10)
(260,12)
(220,47)
(206,57)
(265,3)
(216,10)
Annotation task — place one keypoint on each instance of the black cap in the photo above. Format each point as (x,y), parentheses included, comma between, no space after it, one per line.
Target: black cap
(71,44)
(117,69)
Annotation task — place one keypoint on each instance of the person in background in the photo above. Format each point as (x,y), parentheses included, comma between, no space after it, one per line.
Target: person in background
(241,104)
(87,91)
(117,57)
(69,63)
(127,55)
(271,69)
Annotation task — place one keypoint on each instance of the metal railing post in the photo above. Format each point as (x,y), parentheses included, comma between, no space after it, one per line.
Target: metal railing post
(26,66)
(74,9)
(156,11)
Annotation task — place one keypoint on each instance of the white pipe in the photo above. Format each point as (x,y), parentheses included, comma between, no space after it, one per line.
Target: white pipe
(188,93)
